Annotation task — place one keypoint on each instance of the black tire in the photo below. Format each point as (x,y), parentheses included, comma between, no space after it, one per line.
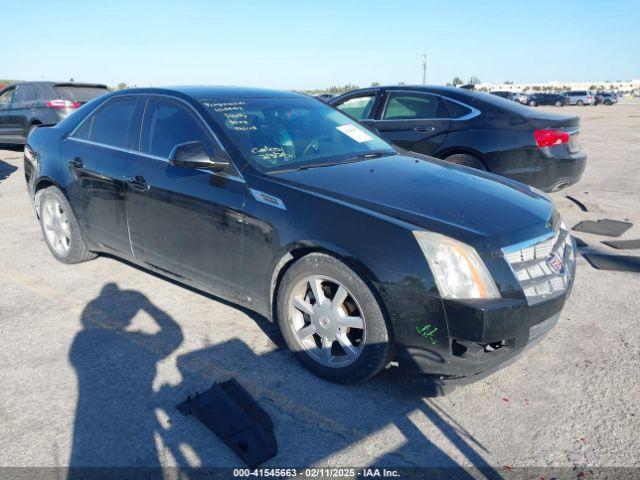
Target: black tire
(77,248)
(608,102)
(466,160)
(580,103)
(532,103)
(378,347)
(558,103)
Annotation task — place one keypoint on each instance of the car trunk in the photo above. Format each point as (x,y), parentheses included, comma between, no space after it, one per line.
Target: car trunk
(551,121)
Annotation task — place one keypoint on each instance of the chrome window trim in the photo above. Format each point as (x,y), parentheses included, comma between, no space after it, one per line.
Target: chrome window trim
(472,114)
(70,136)
(155,157)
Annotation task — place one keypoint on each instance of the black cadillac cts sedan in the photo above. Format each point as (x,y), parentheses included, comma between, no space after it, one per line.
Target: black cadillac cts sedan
(475,129)
(282,204)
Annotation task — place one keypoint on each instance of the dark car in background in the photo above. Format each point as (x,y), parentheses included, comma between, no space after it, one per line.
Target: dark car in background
(508,95)
(325,97)
(474,129)
(536,99)
(282,204)
(27,105)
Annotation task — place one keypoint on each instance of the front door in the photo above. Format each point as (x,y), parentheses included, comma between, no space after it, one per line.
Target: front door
(184,221)
(415,121)
(96,154)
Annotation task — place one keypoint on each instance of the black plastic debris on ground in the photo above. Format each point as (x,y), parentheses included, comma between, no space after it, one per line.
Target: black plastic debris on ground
(228,410)
(579,242)
(580,205)
(623,244)
(620,263)
(610,228)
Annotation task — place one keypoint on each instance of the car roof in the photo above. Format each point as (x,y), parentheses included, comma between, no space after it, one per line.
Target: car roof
(66,84)
(217,92)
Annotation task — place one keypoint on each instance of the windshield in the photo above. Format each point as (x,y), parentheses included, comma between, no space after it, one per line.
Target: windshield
(283,133)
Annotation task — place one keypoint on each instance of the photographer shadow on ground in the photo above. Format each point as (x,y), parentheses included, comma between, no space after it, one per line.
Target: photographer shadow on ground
(115,367)
(122,421)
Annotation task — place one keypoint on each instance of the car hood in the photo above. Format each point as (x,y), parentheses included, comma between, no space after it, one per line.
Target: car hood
(479,208)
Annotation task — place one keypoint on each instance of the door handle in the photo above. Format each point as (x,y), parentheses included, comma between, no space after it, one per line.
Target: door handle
(76,163)
(137,183)
(425,129)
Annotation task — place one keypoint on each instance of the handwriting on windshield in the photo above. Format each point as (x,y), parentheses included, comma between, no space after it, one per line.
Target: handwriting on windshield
(235,118)
(270,153)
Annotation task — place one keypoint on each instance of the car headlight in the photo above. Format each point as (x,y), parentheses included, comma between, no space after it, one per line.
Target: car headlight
(458,269)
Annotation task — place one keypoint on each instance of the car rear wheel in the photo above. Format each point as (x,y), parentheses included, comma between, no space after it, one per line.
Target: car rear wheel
(607,102)
(332,321)
(532,103)
(60,228)
(558,103)
(466,160)
(580,103)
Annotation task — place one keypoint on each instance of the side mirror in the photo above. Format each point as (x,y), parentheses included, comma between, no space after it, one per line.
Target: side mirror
(194,155)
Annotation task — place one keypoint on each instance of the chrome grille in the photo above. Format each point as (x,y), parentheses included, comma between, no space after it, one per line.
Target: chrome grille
(544,266)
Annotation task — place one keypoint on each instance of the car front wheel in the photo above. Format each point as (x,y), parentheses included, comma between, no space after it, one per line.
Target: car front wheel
(532,103)
(332,321)
(60,228)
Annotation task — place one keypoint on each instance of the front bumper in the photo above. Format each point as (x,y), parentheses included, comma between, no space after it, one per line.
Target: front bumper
(482,336)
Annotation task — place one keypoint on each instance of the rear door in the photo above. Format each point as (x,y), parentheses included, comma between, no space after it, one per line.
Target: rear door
(96,154)
(184,221)
(415,121)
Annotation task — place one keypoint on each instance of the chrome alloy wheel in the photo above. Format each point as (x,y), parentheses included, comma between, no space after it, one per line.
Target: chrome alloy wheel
(326,321)
(56,227)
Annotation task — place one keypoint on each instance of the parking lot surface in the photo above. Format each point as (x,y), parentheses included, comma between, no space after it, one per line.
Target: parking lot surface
(95,356)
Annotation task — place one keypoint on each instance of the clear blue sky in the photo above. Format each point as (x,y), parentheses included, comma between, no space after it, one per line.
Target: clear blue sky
(307,44)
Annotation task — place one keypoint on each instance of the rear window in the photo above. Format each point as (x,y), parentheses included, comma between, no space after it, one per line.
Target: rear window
(78,93)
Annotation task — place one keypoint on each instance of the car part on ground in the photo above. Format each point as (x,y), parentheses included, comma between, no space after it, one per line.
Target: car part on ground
(499,134)
(580,205)
(623,244)
(610,228)
(281,204)
(238,420)
(619,263)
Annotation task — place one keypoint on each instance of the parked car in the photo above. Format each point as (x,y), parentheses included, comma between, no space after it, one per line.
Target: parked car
(284,205)
(325,97)
(27,105)
(580,98)
(474,129)
(522,98)
(508,95)
(606,98)
(536,99)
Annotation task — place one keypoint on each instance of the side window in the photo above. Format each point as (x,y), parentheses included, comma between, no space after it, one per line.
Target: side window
(84,130)
(26,96)
(111,122)
(165,125)
(5,99)
(409,106)
(456,110)
(358,107)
